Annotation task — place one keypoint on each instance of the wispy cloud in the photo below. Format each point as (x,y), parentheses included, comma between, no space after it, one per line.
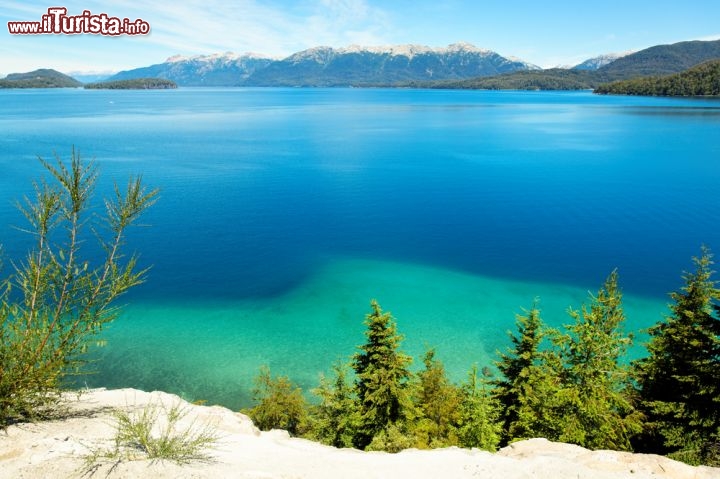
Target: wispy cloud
(277,28)
(349,21)
(709,38)
(211,26)
(203,26)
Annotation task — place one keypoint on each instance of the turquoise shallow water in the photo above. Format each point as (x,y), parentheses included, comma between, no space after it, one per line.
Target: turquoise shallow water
(212,350)
(284,211)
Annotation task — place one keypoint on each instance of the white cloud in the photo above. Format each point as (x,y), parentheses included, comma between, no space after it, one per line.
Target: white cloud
(345,22)
(709,38)
(213,25)
(195,27)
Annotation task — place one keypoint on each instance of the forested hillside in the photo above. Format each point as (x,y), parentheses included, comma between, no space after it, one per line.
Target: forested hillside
(43,78)
(552,79)
(657,60)
(702,80)
(662,60)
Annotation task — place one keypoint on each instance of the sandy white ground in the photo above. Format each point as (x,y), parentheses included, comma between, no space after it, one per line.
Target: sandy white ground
(56,449)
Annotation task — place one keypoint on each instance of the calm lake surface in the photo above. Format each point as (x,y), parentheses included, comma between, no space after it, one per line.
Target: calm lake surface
(284,211)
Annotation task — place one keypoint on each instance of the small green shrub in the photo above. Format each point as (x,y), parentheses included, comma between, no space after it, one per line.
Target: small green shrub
(707,454)
(391,439)
(55,302)
(279,404)
(153,432)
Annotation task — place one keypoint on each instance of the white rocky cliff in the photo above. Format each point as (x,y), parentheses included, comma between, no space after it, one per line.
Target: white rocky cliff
(57,449)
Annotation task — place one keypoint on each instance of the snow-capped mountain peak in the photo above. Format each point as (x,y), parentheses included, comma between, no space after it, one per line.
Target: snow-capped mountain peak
(328,66)
(217,57)
(407,50)
(528,65)
(465,47)
(600,61)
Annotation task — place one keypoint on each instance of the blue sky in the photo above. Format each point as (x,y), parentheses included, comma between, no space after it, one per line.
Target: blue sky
(548,33)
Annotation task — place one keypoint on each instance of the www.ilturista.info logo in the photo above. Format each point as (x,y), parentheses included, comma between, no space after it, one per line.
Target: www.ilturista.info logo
(57,21)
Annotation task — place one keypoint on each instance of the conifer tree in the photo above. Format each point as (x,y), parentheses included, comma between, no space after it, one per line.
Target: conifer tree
(334,420)
(479,424)
(438,402)
(679,382)
(382,379)
(517,390)
(592,406)
(576,390)
(279,404)
(543,410)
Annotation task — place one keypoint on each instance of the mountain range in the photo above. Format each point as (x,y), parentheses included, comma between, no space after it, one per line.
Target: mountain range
(228,69)
(326,66)
(653,61)
(460,65)
(599,61)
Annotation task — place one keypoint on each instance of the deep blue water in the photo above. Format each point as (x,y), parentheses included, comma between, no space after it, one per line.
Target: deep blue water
(263,188)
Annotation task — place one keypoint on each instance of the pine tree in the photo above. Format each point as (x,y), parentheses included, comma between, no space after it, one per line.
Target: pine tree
(279,404)
(334,420)
(592,406)
(479,424)
(382,379)
(438,402)
(516,391)
(679,382)
(576,390)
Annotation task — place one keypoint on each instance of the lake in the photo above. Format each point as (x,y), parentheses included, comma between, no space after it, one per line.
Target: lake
(283,212)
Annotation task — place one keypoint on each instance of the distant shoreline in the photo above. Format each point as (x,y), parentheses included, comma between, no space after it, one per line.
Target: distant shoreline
(135,84)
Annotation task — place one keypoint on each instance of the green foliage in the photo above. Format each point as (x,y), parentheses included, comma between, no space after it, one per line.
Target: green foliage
(572,388)
(516,391)
(703,454)
(134,84)
(575,391)
(679,382)
(479,422)
(438,402)
(535,414)
(551,79)
(701,80)
(592,407)
(382,378)
(334,420)
(392,438)
(279,404)
(53,303)
(154,433)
